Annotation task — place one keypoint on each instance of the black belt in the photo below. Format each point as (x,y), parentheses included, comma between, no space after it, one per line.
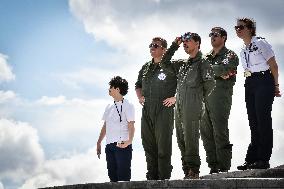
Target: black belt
(260,73)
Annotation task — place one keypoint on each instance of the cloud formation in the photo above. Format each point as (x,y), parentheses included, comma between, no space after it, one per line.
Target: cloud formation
(127,25)
(6,96)
(78,168)
(21,153)
(5,70)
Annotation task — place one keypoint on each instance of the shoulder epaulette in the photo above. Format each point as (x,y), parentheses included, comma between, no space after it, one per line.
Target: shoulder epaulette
(260,38)
(146,68)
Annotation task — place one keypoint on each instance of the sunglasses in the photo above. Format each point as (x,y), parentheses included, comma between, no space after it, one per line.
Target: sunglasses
(214,34)
(186,37)
(155,45)
(240,27)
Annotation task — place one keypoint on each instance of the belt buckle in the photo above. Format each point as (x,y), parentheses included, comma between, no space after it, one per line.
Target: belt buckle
(247,73)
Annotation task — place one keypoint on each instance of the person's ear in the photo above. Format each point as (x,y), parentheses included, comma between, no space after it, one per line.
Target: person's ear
(118,90)
(197,43)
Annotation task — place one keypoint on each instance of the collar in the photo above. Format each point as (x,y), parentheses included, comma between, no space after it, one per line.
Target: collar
(153,64)
(253,40)
(196,58)
(221,52)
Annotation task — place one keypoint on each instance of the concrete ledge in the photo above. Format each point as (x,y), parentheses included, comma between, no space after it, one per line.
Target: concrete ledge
(244,183)
(249,179)
(256,173)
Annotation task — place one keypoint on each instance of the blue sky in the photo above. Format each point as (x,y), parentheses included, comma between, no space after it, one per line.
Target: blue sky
(57,57)
(42,39)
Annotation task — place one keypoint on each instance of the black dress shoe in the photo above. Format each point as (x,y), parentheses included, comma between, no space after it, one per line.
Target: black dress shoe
(245,166)
(259,165)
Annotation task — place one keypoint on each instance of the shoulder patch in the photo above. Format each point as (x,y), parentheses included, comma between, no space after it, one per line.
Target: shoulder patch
(231,54)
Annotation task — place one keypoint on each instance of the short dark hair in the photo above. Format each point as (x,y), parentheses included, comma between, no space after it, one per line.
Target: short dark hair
(163,41)
(118,82)
(222,31)
(250,24)
(196,38)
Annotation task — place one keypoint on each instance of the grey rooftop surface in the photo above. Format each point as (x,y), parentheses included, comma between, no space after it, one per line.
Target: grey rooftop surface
(249,179)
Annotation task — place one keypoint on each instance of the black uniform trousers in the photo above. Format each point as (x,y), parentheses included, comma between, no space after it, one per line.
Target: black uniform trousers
(118,162)
(259,96)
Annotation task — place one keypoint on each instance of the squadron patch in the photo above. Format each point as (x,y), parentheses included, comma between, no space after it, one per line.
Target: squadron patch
(162,76)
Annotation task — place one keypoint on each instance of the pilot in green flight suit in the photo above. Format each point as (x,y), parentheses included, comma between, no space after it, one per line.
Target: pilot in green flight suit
(155,87)
(214,125)
(195,81)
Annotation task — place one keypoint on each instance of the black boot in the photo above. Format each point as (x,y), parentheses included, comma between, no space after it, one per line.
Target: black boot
(260,165)
(245,166)
(214,170)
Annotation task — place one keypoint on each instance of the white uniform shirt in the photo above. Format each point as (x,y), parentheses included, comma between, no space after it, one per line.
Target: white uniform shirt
(117,131)
(255,56)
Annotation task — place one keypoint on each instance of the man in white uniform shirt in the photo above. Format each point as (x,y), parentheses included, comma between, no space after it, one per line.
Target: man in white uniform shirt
(261,85)
(119,131)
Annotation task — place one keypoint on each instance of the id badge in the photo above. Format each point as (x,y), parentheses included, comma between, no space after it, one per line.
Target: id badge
(247,73)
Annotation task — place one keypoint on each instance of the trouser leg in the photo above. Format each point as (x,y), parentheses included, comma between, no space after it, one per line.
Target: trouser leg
(264,97)
(123,157)
(149,145)
(220,107)
(191,116)
(206,131)
(164,130)
(111,162)
(251,155)
(180,137)
(191,138)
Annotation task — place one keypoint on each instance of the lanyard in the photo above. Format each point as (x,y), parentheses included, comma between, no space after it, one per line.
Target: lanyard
(120,119)
(247,55)
(247,58)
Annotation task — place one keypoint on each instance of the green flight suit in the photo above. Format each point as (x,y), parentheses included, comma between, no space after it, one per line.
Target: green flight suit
(195,80)
(214,125)
(157,120)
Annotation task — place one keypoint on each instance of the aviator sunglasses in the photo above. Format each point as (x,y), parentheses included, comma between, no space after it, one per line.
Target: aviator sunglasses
(155,45)
(240,27)
(186,37)
(214,34)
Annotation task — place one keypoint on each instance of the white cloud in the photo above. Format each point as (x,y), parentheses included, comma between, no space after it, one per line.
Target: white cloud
(21,153)
(6,96)
(1,185)
(8,101)
(80,168)
(95,77)
(5,70)
(127,28)
(52,100)
(70,117)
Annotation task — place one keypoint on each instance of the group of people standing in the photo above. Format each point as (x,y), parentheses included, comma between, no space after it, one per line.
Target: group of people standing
(195,95)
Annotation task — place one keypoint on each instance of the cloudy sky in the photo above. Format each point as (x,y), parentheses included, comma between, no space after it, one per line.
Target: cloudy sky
(56,58)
